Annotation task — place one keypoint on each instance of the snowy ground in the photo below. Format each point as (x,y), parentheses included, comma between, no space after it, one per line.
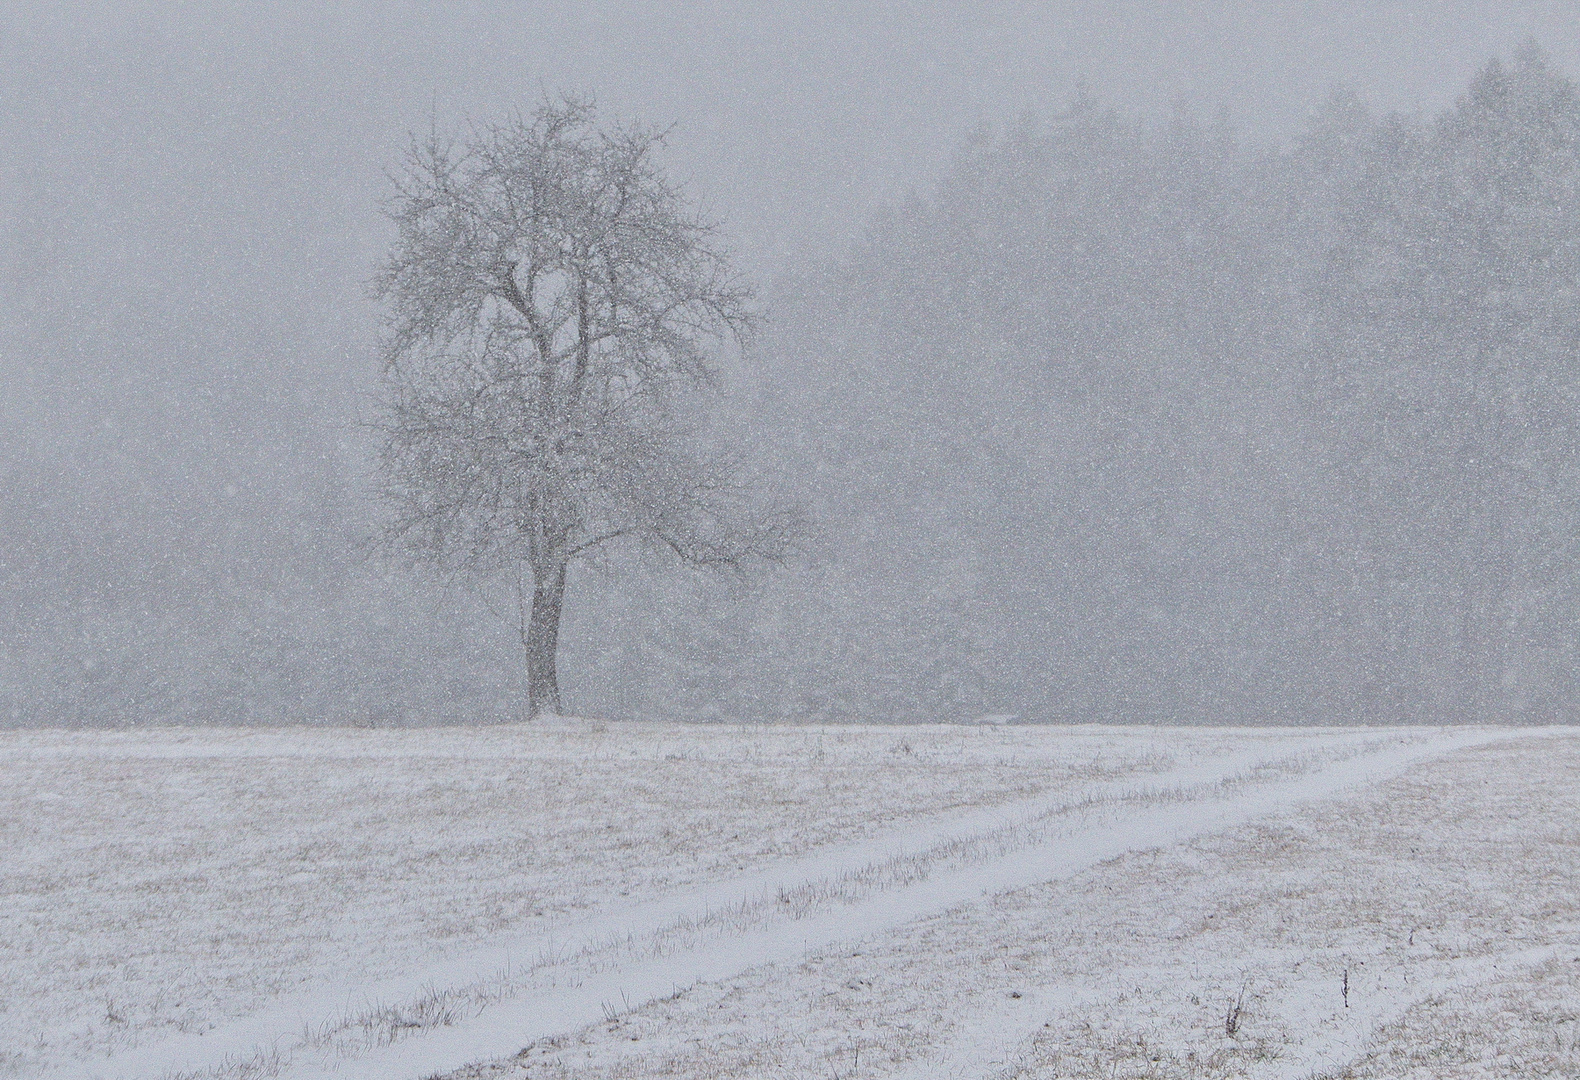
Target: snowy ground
(648,900)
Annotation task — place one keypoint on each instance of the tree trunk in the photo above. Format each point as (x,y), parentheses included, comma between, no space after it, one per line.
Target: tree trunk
(543,641)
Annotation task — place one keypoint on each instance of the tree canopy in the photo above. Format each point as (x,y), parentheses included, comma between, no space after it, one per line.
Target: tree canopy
(552,298)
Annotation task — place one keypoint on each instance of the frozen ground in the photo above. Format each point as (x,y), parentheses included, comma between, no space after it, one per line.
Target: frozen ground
(609,900)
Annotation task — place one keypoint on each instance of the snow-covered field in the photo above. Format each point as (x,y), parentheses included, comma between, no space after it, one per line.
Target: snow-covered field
(588,899)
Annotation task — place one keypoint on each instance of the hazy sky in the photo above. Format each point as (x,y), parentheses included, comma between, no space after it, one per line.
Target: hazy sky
(189,194)
(793,117)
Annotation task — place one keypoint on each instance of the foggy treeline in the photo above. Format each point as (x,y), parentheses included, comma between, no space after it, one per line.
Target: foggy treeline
(1122,421)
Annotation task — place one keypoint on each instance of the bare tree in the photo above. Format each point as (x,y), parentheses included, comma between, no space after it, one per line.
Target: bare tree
(552,299)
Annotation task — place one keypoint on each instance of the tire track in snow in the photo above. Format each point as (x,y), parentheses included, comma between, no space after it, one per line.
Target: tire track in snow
(265,1034)
(571,995)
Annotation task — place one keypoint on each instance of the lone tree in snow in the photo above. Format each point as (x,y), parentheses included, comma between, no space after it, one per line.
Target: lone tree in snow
(552,298)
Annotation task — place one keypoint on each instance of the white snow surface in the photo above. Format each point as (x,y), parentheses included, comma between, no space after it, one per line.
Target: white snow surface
(735,852)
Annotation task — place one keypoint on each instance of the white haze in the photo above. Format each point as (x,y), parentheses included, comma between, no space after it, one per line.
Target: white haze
(189,213)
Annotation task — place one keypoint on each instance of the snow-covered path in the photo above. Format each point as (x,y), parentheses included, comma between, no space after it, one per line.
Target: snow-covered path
(583,973)
(161,882)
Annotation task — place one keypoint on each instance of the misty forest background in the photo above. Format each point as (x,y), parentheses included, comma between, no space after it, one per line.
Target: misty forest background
(1120,419)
